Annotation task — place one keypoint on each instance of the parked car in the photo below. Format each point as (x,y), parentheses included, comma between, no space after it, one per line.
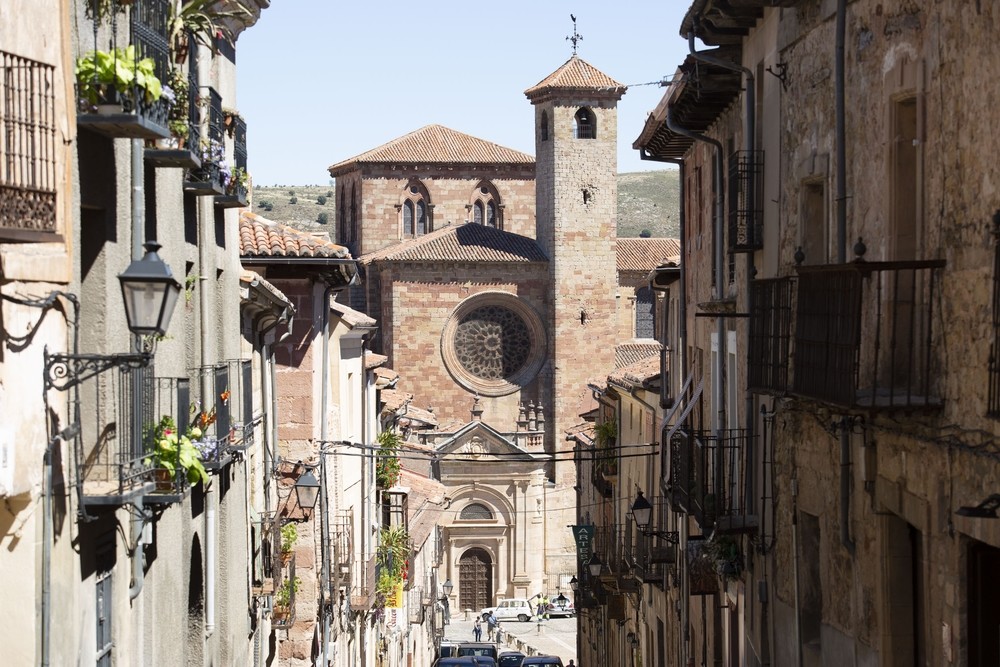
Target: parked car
(448,649)
(477,648)
(561,606)
(510,659)
(510,609)
(484,661)
(456,661)
(542,661)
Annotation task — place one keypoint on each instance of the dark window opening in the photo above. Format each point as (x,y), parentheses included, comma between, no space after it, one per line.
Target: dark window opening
(585,126)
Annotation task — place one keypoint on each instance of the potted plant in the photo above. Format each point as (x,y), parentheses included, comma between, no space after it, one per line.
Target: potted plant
(229,117)
(289,536)
(115,78)
(387,460)
(724,552)
(173,452)
(283,599)
(606,434)
(238,181)
(175,91)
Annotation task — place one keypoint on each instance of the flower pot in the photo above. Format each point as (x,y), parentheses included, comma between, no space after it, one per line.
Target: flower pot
(180,50)
(280,614)
(164,480)
(286,557)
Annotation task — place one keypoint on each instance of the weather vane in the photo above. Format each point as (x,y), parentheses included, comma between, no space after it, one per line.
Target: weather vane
(577,37)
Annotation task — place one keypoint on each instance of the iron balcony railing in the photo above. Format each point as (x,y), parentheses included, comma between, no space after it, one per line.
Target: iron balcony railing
(113,452)
(183,148)
(135,111)
(363,592)
(222,408)
(235,183)
(746,201)
(341,554)
(210,178)
(709,476)
(770,351)
(27,149)
(865,334)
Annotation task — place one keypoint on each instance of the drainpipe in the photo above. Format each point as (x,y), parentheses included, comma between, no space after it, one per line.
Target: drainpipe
(138,234)
(845,433)
(795,571)
(206,392)
(324,430)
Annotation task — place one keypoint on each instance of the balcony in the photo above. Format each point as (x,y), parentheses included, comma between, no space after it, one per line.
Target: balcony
(864,335)
(183,148)
(341,553)
(708,474)
(210,178)
(771,318)
(28,150)
(363,593)
(746,201)
(236,184)
(113,451)
(222,407)
(117,108)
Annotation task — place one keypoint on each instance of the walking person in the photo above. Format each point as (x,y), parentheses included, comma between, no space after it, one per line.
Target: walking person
(491,626)
(477,630)
(499,634)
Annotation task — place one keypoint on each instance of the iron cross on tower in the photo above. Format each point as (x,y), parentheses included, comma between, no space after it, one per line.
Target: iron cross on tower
(577,37)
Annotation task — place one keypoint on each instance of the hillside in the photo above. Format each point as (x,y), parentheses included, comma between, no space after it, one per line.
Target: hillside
(647,200)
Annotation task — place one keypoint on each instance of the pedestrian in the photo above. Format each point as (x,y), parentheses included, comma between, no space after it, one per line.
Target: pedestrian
(491,626)
(499,634)
(545,606)
(477,630)
(571,663)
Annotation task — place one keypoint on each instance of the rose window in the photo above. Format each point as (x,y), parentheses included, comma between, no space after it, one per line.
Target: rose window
(492,342)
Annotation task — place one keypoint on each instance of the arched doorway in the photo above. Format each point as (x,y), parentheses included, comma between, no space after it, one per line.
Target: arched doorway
(475,580)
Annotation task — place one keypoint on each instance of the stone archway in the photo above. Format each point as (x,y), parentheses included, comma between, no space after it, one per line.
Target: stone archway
(475,580)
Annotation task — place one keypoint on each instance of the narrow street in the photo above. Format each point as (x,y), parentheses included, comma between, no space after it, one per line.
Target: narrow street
(557,636)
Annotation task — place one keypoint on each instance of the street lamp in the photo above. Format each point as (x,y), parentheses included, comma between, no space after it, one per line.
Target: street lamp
(447,587)
(595,566)
(150,293)
(574,584)
(642,512)
(307,489)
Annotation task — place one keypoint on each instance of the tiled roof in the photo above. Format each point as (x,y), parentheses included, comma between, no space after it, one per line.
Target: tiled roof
(635,350)
(636,373)
(468,242)
(373,360)
(354,318)
(576,74)
(418,418)
(435,144)
(255,279)
(638,254)
(424,497)
(393,400)
(260,237)
(387,375)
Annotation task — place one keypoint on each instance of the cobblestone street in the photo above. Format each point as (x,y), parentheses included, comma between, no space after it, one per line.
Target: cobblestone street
(557,636)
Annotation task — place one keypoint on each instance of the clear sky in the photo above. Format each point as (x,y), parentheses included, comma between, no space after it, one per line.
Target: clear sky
(321,81)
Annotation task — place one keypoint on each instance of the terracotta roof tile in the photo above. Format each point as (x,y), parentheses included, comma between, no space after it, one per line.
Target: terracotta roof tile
(637,373)
(435,144)
(354,318)
(384,373)
(393,400)
(255,279)
(418,418)
(638,254)
(576,74)
(260,237)
(425,496)
(373,360)
(635,350)
(468,242)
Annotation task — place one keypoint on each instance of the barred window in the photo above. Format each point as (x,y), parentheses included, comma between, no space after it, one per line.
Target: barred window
(476,512)
(584,125)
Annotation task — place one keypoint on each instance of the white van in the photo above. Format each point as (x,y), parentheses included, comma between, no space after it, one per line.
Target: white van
(509,610)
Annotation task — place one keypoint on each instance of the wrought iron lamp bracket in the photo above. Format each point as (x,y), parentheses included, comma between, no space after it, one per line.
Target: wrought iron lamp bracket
(671,536)
(63,371)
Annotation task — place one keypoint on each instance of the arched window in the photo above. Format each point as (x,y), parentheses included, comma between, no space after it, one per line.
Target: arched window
(416,210)
(476,512)
(485,206)
(584,125)
(408,218)
(545,126)
(421,218)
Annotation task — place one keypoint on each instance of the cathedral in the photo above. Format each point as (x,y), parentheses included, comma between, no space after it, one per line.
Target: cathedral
(500,289)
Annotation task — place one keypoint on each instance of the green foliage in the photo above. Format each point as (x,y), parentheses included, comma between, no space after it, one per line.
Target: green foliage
(283,596)
(329,193)
(724,551)
(203,19)
(606,434)
(171,451)
(289,536)
(645,234)
(293,200)
(387,459)
(321,200)
(392,554)
(238,180)
(265,204)
(99,72)
(322,218)
(291,193)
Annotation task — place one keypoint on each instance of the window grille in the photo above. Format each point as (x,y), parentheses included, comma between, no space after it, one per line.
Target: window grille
(585,127)
(476,512)
(993,404)
(27,147)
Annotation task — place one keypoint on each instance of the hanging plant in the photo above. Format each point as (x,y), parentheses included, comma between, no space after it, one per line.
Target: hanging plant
(387,462)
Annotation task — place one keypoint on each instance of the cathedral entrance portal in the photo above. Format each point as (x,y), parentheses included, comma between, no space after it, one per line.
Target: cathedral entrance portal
(475,580)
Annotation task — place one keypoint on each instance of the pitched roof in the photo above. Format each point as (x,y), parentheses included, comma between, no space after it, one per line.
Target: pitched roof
(353,318)
(468,242)
(424,493)
(260,237)
(637,373)
(638,254)
(576,74)
(435,144)
(635,350)
(393,400)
